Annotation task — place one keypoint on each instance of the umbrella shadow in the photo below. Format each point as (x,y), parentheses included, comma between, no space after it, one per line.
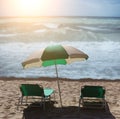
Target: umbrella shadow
(69,112)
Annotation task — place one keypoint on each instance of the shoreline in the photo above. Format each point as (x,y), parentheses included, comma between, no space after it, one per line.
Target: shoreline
(54,79)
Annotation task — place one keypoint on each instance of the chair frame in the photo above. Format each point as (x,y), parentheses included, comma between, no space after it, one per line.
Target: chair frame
(36,94)
(94,99)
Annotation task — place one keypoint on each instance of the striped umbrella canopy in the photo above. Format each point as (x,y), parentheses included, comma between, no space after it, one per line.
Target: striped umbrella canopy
(53,55)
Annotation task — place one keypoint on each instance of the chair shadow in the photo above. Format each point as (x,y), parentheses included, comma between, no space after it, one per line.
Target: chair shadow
(34,111)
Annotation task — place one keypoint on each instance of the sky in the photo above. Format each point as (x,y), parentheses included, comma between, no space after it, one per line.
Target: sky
(60,8)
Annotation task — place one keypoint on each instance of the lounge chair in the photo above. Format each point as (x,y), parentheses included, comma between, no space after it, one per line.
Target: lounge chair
(92,97)
(36,92)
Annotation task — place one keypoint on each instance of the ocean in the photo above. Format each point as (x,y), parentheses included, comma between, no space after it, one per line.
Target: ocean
(97,37)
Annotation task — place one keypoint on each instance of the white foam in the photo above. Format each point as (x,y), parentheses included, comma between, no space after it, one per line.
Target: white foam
(40,31)
(92,36)
(51,25)
(98,29)
(72,29)
(7,35)
(103,61)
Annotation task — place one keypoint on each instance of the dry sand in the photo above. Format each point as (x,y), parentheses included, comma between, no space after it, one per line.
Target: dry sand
(70,89)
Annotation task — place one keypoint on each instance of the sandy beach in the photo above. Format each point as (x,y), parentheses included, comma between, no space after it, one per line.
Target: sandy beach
(70,91)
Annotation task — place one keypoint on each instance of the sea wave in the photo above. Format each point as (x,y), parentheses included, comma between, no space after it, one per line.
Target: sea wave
(99,38)
(7,35)
(40,32)
(51,25)
(101,29)
(102,62)
(59,35)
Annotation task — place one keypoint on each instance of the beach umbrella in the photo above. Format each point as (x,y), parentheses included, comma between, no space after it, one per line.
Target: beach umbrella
(53,55)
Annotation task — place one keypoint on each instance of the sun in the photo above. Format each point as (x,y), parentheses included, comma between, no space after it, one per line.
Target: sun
(30,6)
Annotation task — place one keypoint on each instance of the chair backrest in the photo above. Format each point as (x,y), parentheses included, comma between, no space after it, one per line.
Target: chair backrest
(31,90)
(93,91)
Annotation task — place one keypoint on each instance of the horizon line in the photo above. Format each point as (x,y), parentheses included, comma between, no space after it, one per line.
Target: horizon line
(60,16)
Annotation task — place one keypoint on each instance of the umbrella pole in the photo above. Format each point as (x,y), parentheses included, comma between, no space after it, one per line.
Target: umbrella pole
(58,85)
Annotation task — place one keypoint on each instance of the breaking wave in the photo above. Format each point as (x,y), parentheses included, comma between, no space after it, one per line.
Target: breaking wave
(99,38)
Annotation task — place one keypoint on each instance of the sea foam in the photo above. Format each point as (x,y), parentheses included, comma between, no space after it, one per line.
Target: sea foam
(99,38)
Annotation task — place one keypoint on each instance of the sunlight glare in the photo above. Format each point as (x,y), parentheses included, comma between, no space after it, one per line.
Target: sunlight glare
(30,6)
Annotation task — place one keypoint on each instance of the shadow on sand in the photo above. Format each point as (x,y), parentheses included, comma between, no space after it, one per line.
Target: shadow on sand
(34,111)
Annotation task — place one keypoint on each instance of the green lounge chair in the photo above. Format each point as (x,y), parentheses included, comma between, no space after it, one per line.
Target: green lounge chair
(92,97)
(36,92)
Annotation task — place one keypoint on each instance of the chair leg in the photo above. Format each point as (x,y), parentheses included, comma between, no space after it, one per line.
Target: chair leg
(47,98)
(18,103)
(26,99)
(20,100)
(54,96)
(105,104)
(23,117)
(79,103)
(43,103)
